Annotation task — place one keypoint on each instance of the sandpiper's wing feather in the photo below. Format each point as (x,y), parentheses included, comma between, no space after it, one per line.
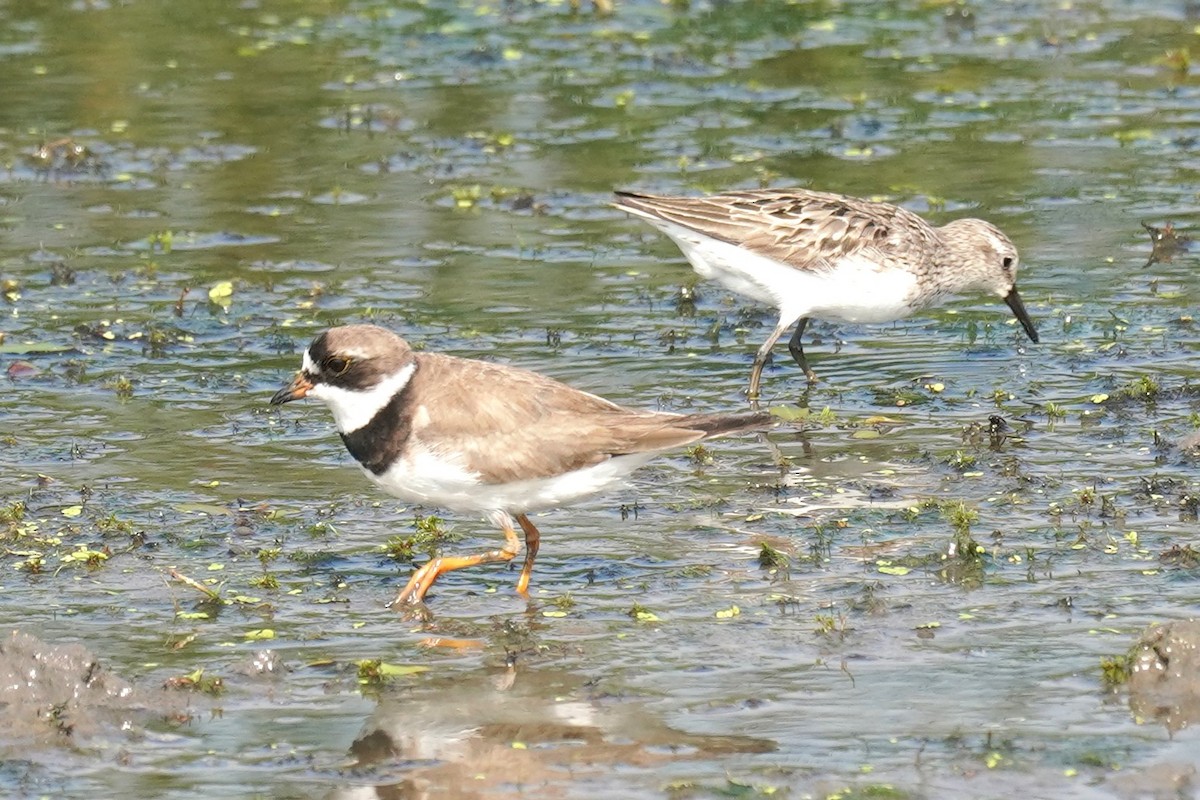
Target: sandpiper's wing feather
(510,424)
(798,227)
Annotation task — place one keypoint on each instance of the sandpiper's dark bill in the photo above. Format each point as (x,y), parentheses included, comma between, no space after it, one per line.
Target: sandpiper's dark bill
(475,436)
(816,255)
(1013,299)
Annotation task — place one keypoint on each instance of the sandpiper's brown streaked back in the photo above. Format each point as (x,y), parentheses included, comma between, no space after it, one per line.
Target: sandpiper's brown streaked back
(817,255)
(476,436)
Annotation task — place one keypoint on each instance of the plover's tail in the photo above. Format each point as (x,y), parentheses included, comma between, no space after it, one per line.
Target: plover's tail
(723,424)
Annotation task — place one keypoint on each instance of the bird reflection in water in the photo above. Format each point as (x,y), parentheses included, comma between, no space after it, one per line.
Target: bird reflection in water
(502,731)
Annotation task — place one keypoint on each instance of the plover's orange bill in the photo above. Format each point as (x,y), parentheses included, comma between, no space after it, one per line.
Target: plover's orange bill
(815,255)
(479,437)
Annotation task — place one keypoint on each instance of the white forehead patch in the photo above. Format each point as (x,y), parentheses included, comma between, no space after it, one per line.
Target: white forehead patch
(354,409)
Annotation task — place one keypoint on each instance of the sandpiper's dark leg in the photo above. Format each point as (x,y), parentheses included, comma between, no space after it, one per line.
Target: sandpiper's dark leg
(533,539)
(797,350)
(760,358)
(420,582)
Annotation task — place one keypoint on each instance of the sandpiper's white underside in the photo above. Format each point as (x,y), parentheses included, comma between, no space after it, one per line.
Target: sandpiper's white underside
(854,289)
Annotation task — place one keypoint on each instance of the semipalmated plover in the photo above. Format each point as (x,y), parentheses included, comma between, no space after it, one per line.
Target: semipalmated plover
(829,256)
(481,437)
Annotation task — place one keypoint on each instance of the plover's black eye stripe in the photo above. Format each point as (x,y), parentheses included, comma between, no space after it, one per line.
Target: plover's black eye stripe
(335,365)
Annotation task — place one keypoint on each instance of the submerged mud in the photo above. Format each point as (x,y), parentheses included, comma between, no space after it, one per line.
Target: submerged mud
(1164,682)
(63,696)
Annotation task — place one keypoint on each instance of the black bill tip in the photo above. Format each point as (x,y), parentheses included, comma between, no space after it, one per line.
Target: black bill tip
(1013,299)
(299,387)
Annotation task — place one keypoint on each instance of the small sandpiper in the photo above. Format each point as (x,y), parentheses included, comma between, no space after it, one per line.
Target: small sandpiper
(828,256)
(475,436)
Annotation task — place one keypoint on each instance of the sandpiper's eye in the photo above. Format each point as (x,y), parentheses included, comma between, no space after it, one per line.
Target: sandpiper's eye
(1008,262)
(335,365)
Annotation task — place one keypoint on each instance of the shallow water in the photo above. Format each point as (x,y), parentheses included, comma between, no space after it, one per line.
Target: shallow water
(444,169)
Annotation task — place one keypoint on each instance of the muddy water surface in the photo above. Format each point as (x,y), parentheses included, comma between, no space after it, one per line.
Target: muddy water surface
(187,196)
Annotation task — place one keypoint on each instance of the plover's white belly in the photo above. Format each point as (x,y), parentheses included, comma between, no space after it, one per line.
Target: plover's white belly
(423,476)
(855,290)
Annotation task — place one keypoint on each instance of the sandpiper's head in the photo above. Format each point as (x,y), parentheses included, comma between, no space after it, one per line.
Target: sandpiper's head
(356,370)
(984,259)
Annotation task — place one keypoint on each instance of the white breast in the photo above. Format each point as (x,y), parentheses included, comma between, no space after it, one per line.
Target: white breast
(857,289)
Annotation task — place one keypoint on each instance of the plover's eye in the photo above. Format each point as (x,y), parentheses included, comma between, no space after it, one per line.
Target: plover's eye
(335,365)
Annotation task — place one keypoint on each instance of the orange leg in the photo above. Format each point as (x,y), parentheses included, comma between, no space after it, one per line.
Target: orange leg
(533,538)
(420,582)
